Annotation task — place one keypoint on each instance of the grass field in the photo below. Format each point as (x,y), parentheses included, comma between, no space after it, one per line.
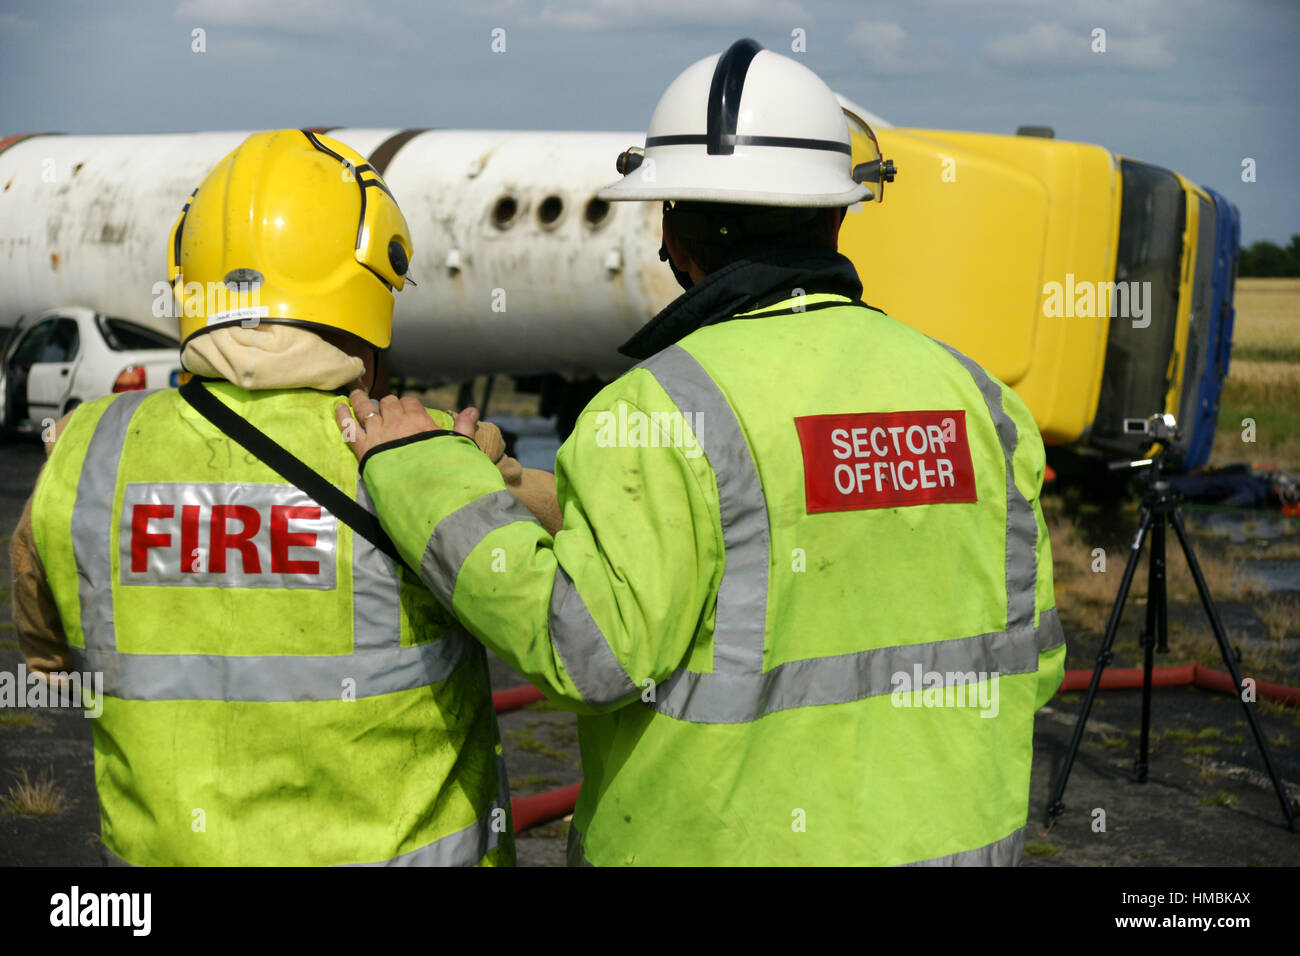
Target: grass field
(1264,377)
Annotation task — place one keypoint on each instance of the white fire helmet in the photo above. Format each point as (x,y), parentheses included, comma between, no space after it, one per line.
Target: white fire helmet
(748,126)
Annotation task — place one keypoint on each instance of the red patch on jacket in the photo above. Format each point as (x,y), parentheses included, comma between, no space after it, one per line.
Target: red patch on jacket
(885,460)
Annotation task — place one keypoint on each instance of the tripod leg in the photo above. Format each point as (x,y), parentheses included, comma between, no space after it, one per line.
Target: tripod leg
(1057,806)
(1155,604)
(1212,611)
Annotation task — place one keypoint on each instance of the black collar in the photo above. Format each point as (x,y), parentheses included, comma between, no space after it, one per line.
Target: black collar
(743,286)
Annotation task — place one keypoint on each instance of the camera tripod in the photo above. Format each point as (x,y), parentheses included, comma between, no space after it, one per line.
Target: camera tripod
(1159,509)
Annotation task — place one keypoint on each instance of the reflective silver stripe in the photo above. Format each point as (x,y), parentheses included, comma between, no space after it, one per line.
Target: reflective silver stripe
(741,616)
(841,678)
(376,593)
(92,520)
(163,566)
(583,649)
(367,673)
(1050,634)
(378,664)
(464,847)
(460,532)
(1022,527)
(1005,852)
(574,855)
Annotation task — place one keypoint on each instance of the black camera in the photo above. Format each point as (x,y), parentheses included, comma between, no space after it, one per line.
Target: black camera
(1161,427)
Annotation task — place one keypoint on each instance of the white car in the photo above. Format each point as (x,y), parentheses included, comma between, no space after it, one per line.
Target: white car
(72,355)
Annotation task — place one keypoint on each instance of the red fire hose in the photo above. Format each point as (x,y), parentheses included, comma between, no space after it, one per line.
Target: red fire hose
(1197,675)
(529,812)
(512,698)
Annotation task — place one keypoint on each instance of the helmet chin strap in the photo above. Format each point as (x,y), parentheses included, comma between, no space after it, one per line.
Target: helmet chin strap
(683,278)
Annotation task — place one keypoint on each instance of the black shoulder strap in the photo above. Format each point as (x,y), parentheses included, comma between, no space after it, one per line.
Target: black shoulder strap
(289,467)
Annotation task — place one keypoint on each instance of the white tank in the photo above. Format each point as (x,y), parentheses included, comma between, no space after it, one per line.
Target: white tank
(519,268)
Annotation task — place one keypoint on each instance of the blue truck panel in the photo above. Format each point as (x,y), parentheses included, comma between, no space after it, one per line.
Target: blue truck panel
(1227,244)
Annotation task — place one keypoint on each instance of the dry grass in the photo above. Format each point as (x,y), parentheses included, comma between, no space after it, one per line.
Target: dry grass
(1280,709)
(1264,381)
(1197,643)
(1283,552)
(1041,848)
(1267,393)
(1221,799)
(525,739)
(35,798)
(1085,597)
(1272,549)
(1222,574)
(1087,591)
(1210,769)
(1281,616)
(1276,448)
(1073,560)
(1268,311)
(1264,377)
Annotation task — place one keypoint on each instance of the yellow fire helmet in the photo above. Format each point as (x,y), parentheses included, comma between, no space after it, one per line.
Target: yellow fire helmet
(291,228)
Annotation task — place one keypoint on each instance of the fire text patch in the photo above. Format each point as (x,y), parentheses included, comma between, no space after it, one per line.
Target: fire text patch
(226,535)
(885,460)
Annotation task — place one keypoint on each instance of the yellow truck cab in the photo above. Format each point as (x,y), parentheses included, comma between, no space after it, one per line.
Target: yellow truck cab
(1084,280)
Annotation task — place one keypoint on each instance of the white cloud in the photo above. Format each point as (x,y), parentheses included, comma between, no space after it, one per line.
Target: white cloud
(599,15)
(12,23)
(1141,15)
(882,48)
(987,6)
(1149,52)
(316,18)
(1040,44)
(1137,16)
(1055,48)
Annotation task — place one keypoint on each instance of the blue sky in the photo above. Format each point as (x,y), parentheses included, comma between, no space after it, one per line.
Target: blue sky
(1193,85)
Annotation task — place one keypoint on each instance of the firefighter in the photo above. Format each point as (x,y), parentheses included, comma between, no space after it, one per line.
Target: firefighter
(276,687)
(802,596)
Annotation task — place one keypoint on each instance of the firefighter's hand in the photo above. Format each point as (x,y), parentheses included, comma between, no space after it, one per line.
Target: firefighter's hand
(370,423)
